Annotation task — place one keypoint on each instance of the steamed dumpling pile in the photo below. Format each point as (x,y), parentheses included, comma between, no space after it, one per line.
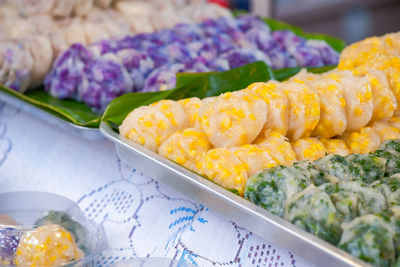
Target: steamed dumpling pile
(235,135)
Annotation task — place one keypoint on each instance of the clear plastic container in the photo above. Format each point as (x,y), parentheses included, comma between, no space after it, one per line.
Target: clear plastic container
(26,207)
(151,262)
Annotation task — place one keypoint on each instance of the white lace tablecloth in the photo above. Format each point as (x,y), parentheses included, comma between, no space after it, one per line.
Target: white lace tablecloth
(141,217)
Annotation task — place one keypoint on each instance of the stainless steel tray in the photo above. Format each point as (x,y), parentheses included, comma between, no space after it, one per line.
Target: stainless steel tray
(85,132)
(236,208)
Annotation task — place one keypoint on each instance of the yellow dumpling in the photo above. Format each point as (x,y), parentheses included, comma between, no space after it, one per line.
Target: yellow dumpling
(192,107)
(277,105)
(308,148)
(47,245)
(278,147)
(254,157)
(363,141)
(383,98)
(335,146)
(333,119)
(151,125)
(186,147)
(358,95)
(222,167)
(395,122)
(385,131)
(233,119)
(304,109)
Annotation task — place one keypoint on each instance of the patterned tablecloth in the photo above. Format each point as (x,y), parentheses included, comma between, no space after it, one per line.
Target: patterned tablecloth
(141,217)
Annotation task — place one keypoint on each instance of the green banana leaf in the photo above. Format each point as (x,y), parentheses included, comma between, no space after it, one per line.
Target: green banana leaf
(284,74)
(190,85)
(69,110)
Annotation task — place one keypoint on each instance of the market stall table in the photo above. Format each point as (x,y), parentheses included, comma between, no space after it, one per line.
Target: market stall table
(141,217)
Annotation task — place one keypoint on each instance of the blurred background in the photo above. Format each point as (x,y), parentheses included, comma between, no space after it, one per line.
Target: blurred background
(351,20)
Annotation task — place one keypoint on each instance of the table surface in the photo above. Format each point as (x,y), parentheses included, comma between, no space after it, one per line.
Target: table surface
(141,217)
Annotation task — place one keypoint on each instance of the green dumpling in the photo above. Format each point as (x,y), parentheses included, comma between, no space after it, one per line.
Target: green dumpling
(369,238)
(355,198)
(313,211)
(335,166)
(395,221)
(273,187)
(366,167)
(390,150)
(312,172)
(345,201)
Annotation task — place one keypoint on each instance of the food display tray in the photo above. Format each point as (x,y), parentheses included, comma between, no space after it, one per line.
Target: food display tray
(234,207)
(85,132)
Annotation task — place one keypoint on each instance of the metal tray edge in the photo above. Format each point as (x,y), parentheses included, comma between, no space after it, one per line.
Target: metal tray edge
(258,220)
(77,130)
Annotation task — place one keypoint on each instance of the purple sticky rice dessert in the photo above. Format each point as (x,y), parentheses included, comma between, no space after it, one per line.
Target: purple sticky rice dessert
(163,78)
(287,40)
(149,61)
(307,57)
(247,22)
(103,80)
(328,54)
(66,75)
(9,240)
(242,56)
(177,52)
(281,59)
(189,33)
(138,64)
(261,40)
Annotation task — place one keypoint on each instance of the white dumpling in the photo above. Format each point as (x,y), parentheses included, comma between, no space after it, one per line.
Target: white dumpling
(34,7)
(94,32)
(44,24)
(16,64)
(82,7)
(103,3)
(11,28)
(63,8)
(42,54)
(75,33)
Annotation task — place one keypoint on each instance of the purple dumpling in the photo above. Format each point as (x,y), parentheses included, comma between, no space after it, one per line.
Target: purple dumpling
(307,57)
(281,59)
(9,240)
(189,32)
(163,78)
(249,22)
(287,39)
(242,56)
(66,74)
(328,54)
(103,80)
(261,40)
